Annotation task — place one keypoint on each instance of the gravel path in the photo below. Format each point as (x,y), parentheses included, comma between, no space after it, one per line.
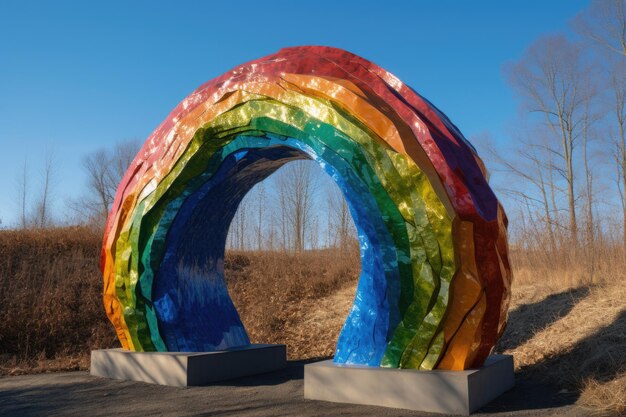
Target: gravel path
(275,394)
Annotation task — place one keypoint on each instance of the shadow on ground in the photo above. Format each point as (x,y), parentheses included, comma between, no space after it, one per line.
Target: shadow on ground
(293,372)
(528,319)
(600,356)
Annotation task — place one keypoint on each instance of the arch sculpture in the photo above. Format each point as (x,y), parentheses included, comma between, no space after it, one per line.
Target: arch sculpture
(434,287)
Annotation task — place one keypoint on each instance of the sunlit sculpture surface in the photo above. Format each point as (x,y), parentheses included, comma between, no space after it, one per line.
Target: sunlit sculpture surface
(434,286)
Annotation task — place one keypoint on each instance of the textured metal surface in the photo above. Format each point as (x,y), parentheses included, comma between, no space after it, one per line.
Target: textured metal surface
(435,276)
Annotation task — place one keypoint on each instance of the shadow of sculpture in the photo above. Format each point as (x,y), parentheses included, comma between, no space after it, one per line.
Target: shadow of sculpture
(292,372)
(600,356)
(528,319)
(557,380)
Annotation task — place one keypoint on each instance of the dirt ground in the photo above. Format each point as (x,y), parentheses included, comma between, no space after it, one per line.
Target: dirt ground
(275,394)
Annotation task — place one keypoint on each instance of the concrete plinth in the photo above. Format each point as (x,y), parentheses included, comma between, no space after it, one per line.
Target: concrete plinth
(181,369)
(449,392)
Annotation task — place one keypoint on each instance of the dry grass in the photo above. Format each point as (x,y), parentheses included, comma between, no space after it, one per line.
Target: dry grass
(300,300)
(567,322)
(568,268)
(605,397)
(567,325)
(574,339)
(50,311)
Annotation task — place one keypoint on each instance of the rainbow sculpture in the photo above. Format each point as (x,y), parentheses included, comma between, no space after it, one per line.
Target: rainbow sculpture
(434,286)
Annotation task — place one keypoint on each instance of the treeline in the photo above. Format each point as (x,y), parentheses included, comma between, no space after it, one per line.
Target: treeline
(565,173)
(38,189)
(562,179)
(295,209)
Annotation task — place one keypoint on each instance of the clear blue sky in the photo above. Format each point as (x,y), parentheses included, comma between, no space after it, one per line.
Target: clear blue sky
(78,76)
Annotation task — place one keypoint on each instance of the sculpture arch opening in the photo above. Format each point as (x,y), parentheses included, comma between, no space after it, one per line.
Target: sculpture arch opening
(293,280)
(434,285)
(190,283)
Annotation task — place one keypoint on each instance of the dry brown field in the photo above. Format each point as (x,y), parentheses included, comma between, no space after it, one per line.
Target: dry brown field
(567,323)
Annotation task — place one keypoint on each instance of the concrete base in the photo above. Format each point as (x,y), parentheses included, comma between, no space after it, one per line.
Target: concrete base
(181,369)
(449,392)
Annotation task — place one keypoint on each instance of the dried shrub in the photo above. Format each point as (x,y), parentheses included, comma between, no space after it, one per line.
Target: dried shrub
(51,314)
(299,299)
(51,290)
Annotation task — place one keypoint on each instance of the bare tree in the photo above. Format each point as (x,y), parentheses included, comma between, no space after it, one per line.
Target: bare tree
(589,180)
(618,88)
(604,21)
(22,191)
(105,169)
(340,223)
(532,164)
(554,80)
(283,221)
(123,154)
(98,169)
(240,223)
(44,202)
(260,191)
(312,234)
(297,185)
(271,235)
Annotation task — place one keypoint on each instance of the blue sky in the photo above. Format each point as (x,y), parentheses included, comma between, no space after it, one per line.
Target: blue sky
(78,76)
